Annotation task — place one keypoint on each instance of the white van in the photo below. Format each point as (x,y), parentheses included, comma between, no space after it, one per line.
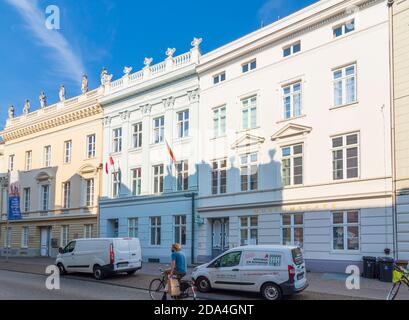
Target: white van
(101,257)
(273,271)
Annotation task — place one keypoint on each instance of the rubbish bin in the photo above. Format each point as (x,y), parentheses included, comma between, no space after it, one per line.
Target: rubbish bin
(369,267)
(386,269)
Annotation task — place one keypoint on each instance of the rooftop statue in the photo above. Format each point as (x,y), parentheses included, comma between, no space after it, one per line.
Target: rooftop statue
(26,109)
(84,84)
(43,100)
(61,93)
(11,112)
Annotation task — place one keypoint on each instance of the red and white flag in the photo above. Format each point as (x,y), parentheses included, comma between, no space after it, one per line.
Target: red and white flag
(172,155)
(109,164)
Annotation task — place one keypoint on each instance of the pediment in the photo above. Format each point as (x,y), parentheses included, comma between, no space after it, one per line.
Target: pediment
(247,141)
(87,169)
(43,176)
(291,130)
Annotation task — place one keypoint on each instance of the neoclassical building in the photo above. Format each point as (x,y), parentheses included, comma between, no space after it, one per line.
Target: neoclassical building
(295,144)
(56,152)
(148,193)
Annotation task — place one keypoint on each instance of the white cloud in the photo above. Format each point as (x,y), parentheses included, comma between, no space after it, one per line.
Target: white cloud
(67,62)
(270,10)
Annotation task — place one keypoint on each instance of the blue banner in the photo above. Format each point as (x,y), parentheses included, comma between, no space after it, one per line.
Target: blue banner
(14,212)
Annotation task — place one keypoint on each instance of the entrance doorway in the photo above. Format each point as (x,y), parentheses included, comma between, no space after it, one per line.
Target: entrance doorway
(45,238)
(220,236)
(113,228)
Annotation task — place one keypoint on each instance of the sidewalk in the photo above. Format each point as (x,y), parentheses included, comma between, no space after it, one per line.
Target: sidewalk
(323,283)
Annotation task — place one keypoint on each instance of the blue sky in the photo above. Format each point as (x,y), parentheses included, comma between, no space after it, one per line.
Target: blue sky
(111,33)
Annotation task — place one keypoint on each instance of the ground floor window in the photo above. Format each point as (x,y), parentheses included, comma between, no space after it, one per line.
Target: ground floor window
(180,229)
(345,226)
(88,231)
(64,235)
(24,237)
(133,227)
(7,238)
(293,229)
(156,224)
(249,230)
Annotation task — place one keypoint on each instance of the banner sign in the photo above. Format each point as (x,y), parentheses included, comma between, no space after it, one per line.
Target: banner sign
(14,211)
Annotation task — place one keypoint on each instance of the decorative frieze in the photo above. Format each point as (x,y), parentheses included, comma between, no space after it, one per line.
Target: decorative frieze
(193,96)
(169,103)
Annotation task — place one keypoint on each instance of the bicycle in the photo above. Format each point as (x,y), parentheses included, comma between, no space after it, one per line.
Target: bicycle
(400,276)
(157,288)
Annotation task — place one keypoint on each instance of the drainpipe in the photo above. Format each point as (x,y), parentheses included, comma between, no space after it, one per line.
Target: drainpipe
(393,129)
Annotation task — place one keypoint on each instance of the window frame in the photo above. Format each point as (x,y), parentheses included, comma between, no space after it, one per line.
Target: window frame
(136,181)
(291,47)
(183,126)
(343,79)
(116,181)
(293,226)
(249,66)
(292,94)
(47,156)
(65,235)
(42,199)
(218,170)
(344,148)
(26,200)
(67,152)
(248,167)
(28,160)
(117,136)
(249,107)
(25,233)
(219,117)
(249,227)
(89,192)
(66,195)
(158,134)
(344,29)
(182,175)
(219,78)
(180,229)
(91,146)
(345,225)
(88,228)
(133,224)
(160,176)
(292,157)
(11,164)
(137,135)
(155,224)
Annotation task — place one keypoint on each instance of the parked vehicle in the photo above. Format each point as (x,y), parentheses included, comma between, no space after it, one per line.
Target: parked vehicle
(101,257)
(273,271)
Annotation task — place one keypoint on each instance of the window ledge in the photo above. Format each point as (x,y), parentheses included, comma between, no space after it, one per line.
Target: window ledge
(115,154)
(345,105)
(134,150)
(291,119)
(182,140)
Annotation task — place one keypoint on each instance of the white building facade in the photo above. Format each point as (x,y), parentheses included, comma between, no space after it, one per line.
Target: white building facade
(147,194)
(295,137)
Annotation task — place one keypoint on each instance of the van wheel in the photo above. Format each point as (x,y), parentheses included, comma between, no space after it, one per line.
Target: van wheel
(203,285)
(271,291)
(62,270)
(98,273)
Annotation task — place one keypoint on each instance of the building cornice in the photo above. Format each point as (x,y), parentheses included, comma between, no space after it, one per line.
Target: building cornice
(291,27)
(29,125)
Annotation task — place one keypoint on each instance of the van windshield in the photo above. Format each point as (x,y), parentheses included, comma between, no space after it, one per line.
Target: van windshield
(297,256)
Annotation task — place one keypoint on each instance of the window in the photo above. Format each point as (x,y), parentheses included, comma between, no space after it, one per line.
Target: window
(345,157)
(249,66)
(345,85)
(249,172)
(11,162)
(91,146)
(66,195)
(89,199)
(158,130)
(345,230)
(249,113)
(180,229)
(116,183)
(136,175)
(64,236)
(88,231)
(292,165)
(137,135)
(219,176)
(182,175)
(27,199)
(155,231)
(67,151)
(117,140)
(248,231)
(219,121)
(29,158)
(292,100)
(293,229)
(158,179)
(183,124)
(229,260)
(344,28)
(45,195)
(219,78)
(133,227)
(24,237)
(292,49)
(69,247)
(47,156)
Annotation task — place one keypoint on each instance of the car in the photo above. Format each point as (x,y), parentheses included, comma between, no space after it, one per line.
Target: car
(100,257)
(273,271)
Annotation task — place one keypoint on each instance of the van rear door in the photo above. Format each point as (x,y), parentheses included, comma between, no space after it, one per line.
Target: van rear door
(122,254)
(135,258)
(300,277)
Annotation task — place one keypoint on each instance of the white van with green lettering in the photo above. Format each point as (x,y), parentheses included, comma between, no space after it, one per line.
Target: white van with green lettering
(273,271)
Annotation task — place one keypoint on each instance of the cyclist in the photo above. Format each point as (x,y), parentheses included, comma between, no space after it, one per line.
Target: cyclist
(178,265)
